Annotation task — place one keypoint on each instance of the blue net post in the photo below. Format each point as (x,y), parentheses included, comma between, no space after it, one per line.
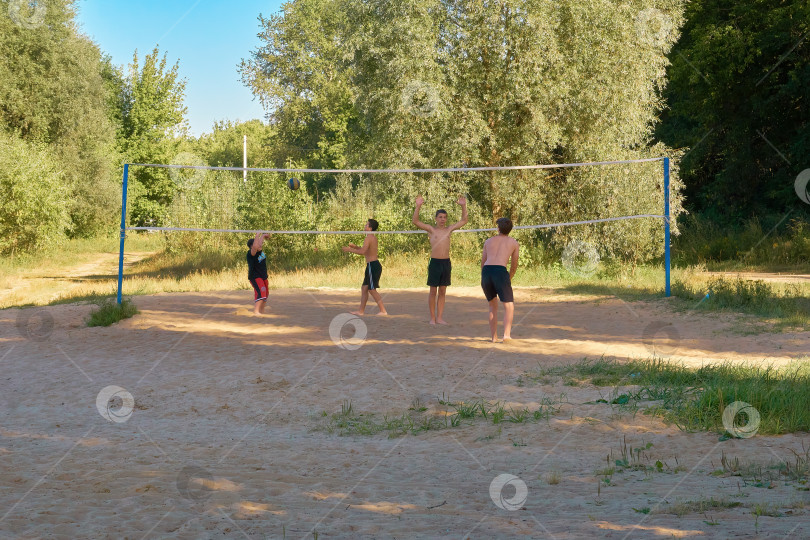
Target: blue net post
(668,290)
(123,232)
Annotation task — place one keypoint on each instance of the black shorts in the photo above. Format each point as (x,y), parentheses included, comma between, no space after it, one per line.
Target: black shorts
(439,272)
(373,273)
(495,281)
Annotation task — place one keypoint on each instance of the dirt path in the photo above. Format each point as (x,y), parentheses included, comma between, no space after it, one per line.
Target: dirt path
(41,286)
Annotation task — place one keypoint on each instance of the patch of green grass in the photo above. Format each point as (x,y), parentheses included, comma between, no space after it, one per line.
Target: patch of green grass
(697,507)
(787,305)
(419,419)
(694,399)
(109,311)
(350,422)
(498,414)
(794,469)
(517,416)
(766,509)
(629,458)
(469,410)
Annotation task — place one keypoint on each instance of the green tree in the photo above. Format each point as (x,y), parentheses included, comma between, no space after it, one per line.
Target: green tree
(738,100)
(153,122)
(52,91)
(302,75)
(32,196)
(495,83)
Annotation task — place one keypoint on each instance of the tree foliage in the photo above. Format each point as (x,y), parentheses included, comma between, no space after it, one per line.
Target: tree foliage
(304,79)
(738,100)
(152,115)
(32,196)
(426,83)
(52,91)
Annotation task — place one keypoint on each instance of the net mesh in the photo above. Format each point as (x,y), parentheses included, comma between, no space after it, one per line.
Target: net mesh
(578,209)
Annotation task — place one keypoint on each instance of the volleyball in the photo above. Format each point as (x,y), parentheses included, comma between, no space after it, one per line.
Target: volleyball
(294,183)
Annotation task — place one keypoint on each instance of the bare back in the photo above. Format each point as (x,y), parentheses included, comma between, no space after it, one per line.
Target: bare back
(498,250)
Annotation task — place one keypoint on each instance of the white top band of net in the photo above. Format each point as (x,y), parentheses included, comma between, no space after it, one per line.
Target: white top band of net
(364,171)
(253,231)
(368,171)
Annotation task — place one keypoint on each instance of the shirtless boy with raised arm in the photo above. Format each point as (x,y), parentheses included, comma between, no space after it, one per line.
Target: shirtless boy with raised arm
(496,280)
(373,268)
(439,267)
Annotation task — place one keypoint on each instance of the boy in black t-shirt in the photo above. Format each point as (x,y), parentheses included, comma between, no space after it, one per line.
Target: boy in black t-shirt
(257,272)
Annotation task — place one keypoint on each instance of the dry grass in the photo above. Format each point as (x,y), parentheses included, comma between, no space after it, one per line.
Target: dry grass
(88,272)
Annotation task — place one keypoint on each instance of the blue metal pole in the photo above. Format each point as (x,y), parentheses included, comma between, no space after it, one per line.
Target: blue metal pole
(666,227)
(123,232)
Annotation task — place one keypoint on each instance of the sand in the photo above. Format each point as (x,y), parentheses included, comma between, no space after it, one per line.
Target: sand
(229,436)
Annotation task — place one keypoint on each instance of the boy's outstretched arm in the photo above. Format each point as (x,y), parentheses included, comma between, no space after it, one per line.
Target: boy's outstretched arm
(352,248)
(424,226)
(258,242)
(463,221)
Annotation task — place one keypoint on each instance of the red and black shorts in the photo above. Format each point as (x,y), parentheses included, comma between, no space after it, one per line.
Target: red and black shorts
(259,288)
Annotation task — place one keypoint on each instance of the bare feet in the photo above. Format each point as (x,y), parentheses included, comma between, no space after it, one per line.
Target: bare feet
(383,313)
(432,322)
(358,313)
(442,321)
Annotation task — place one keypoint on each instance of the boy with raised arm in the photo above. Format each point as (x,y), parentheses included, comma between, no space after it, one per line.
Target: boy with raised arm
(373,268)
(439,266)
(257,272)
(496,280)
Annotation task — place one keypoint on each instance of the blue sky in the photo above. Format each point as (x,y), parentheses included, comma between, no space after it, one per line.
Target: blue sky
(208,37)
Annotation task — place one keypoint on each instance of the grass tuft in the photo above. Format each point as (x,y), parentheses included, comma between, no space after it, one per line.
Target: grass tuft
(419,418)
(694,399)
(110,312)
(697,507)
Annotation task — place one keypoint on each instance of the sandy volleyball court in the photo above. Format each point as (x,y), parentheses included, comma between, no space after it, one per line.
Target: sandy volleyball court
(232,433)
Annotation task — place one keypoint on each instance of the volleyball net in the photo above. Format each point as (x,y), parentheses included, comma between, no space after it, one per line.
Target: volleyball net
(583,210)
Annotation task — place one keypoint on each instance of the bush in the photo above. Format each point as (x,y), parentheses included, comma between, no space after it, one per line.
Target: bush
(110,312)
(33,195)
(770,241)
